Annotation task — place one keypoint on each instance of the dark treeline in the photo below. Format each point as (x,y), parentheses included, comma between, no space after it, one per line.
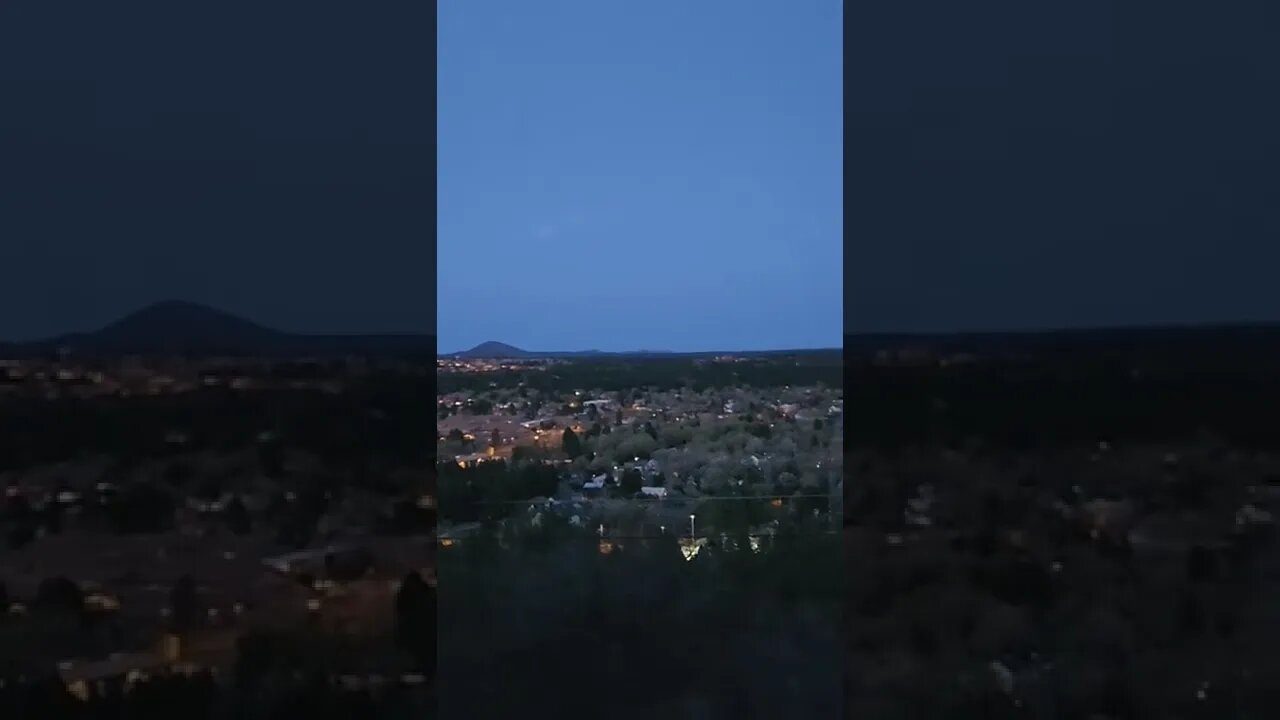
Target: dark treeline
(552,623)
(201,696)
(1019,407)
(372,421)
(1125,583)
(662,373)
(487,491)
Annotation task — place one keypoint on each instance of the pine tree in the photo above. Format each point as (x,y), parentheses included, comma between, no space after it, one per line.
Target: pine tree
(571,445)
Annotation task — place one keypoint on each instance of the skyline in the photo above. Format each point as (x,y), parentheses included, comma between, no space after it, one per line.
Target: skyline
(665,175)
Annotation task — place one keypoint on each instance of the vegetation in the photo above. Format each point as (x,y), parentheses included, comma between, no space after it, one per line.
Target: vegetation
(1017,596)
(199,695)
(735,633)
(660,373)
(1040,407)
(377,419)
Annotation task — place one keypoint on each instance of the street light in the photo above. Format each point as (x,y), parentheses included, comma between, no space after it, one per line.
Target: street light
(691,527)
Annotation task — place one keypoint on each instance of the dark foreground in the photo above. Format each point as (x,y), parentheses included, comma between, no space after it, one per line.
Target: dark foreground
(641,633)
(1067,528)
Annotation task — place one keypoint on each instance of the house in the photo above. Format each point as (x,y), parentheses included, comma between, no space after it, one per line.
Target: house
(210,506)
(450,536)
(68,497)
(130,666)
(303,559)
(471,459)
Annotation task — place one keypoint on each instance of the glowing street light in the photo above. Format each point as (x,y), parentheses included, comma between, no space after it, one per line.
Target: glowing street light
(692,531)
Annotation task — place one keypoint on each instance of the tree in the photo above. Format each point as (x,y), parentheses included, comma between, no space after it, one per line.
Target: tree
(18,509)
(536,480)
(184,603)
(209,489)
(416,620)
(59,593)
(570,443)
(237,515)
(271,459)
(632,481)
(638,445)
(22,534)
(53,518)
(1201,564)
(177,474)
(651,430)
(349,565)
(143,508)
(255,655)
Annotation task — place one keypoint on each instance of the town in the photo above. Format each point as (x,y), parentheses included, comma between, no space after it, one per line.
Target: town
(682,447)
(666,486)
(220,517)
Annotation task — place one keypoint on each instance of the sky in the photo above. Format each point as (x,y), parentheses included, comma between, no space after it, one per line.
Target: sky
(270,159)
(1019,165)
(662,175)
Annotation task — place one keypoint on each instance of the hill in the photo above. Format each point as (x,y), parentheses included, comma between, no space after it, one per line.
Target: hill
(175,327)
(495,350)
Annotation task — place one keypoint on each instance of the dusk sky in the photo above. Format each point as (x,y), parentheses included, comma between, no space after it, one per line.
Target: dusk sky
(640,175)
(271,159)
(1019,165)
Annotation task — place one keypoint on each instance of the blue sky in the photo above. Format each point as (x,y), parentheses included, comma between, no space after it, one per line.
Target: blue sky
(661,175)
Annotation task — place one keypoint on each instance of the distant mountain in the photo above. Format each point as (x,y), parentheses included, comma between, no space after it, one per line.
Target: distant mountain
(175,327)
(493,349)
(181,326)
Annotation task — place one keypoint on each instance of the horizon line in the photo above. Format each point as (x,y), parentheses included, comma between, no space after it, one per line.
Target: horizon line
(639,351)
(1051,329)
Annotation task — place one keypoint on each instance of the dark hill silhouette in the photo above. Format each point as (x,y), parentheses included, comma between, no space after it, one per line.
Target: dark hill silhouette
(183,325)
(494,349)
(175,327)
